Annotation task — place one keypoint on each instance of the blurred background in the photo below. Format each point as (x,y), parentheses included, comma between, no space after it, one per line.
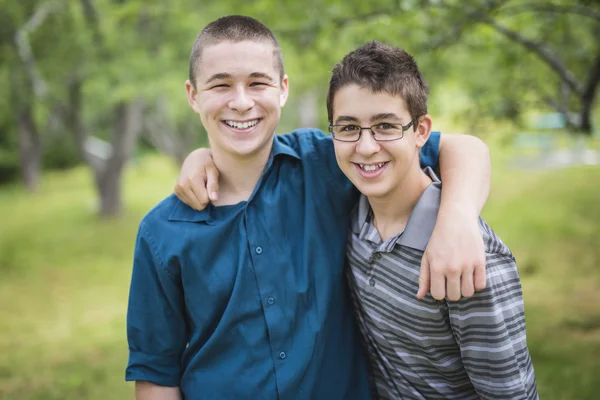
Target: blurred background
(94,124)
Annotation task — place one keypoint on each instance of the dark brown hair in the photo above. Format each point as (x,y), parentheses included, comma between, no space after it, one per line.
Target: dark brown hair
(234,28)
(381,68)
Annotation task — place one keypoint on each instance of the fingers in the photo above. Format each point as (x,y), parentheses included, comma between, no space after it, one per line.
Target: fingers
(423,278)
(479,275)
(192,191)
(200,193)
(212,183)
(438,282)
(453,283)
(186,195)
(467,287)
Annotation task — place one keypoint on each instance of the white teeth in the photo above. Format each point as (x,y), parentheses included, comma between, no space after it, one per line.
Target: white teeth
(242,125)
(371,168)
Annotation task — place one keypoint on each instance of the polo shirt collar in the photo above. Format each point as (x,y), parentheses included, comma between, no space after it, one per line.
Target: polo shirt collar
(183,213)
(422,220)
(420,223)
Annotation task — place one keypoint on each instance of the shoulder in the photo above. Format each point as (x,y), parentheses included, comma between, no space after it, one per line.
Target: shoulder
(502,273)
(158,217)
(315,149)
(492,242)
(307,141)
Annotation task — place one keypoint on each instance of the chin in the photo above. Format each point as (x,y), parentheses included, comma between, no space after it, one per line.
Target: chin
(249,148)
(374,191)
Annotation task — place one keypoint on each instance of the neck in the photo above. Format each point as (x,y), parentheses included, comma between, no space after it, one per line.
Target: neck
(238,176)
(392,211)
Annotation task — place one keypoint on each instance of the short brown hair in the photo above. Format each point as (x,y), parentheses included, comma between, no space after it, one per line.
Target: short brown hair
(381,68)
(234,28)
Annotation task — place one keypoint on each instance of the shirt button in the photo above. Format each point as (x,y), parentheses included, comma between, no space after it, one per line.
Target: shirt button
(374,257)
(282,355)
(258,250)
(372,282)
(271,300)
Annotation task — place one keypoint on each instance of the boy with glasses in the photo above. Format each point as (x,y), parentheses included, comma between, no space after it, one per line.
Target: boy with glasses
(417,348)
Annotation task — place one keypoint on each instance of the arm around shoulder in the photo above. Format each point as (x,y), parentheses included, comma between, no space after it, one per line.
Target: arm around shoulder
(465,169)
(454,261)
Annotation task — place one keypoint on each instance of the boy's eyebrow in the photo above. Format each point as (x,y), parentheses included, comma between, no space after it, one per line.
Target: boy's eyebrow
(261,75)
(384,116)
(224,75)
(219,76)
(346,118)
(376,117)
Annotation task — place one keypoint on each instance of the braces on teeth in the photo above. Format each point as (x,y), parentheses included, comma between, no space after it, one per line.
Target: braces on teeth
(370,168)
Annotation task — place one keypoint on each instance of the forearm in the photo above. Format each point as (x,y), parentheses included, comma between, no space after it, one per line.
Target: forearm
(150,391)
(466,173)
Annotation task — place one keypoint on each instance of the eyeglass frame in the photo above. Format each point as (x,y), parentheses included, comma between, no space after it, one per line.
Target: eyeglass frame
(362,128)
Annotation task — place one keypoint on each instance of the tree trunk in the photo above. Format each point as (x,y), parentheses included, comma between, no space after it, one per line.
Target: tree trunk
(30,148)
(128,124)
(589,95)
(586,117)
(164,135)
(108,185)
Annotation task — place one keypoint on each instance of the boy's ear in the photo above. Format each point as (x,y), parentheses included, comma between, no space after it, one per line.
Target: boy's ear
(285,90)
(191,95)
(423,130)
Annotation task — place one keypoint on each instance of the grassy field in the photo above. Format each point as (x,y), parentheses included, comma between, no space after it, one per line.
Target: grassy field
(64,279)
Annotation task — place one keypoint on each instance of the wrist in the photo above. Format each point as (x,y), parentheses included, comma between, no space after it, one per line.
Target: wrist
(457,211)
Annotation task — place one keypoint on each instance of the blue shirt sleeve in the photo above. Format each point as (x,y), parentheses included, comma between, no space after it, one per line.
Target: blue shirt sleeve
(156,325)
(430,153)
(317,146)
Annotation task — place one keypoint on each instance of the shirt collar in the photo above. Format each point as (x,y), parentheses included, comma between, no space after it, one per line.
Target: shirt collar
(279,147)
(184,213)
(420,223)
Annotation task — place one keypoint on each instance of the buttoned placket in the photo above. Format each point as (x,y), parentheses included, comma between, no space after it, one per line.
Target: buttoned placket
(260,255)
(371,282)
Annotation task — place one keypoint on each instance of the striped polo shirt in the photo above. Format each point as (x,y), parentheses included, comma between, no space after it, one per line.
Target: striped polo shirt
(427,349)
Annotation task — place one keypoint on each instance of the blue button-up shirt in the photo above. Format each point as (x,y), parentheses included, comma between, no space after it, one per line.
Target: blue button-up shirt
(248,301)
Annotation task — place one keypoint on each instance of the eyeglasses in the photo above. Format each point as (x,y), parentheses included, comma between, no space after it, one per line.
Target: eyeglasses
(382,132)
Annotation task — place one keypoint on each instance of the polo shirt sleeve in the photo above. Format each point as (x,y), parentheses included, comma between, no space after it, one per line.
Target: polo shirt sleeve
(490,331)
(156,325)
(430,152)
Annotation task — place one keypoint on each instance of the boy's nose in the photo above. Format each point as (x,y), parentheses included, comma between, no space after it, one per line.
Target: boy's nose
(241,102)
(367,145)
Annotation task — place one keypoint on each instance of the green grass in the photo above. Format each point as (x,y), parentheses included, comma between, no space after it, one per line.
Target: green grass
(65,276)
(64,286)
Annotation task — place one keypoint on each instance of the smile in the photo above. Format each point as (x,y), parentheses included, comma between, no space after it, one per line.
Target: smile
(371,167)
(242,124)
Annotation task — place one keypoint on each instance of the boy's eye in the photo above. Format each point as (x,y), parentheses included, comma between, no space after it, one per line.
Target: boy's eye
(221,85)
(385,126)
(350,128)
(258,84)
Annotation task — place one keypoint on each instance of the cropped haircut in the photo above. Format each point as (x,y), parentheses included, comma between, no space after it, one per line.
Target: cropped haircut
(233,28)
(381,68)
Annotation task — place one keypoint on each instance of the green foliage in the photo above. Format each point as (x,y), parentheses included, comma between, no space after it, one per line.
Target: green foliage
(138,48)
